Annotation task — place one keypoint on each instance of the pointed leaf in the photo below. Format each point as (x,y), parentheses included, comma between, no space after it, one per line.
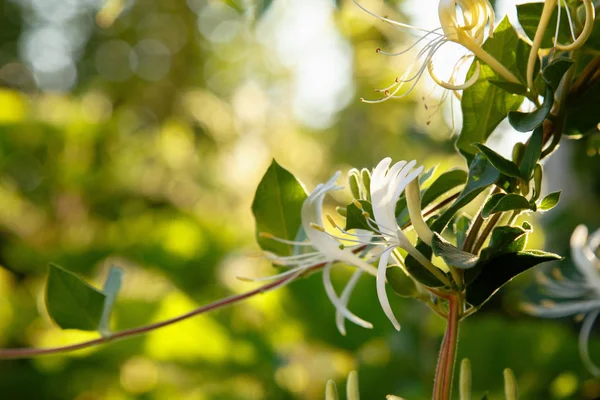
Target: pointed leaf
(72,303)
(532,153)
(444,183)
(461,227)
(355,218)
(549,202)
(508,202)
(525,122)
(482,174)
(505,239)
(276,207)
(451,254)
(529,18)
(497,271)
(503,165)
(555,70)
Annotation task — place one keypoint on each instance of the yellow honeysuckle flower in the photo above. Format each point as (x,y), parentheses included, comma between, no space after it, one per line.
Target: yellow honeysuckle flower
(462,22)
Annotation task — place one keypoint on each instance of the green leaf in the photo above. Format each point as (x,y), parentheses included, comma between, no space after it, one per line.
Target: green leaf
(510,87)
(505,239)
(503,165)
(276,208)
(72,303)
(555,70)
(501,202)
(532,154)
(484,105)
(400,283)
(355,218)
(549,202)
(529,17)
(482,174)
(111,289)
(525,122)
(582,111)
(497,271)
(461,227)
(418,271)
(443,184)
(451,254)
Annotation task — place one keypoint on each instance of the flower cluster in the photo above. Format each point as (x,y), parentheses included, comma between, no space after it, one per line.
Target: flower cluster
(359,248)
(579,295)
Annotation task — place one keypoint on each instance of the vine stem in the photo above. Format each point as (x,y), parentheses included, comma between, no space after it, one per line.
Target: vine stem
(447,359)
(33,352)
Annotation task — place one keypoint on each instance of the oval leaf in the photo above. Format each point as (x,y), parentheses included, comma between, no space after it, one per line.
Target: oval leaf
(525,122)
(497,271)
(451,254)
(508,202)
(503,165)
(72,303)
(276,208)
(549,202)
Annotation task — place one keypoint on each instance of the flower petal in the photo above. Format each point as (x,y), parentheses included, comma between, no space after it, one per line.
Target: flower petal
(381,293)
(346,293)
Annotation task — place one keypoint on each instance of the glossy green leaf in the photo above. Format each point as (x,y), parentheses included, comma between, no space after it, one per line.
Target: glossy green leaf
(582,111)
(532,154)
(529,17)
(505,239)
(510,87)
(400,283)
(555,70)
(443,184)
(505,202)
(355,218)
(71,302)
(525,122)
(418,271)
(451,254)
(503,165)
(484,105)
(111,289)
(549,202)
(461,227)
(276,208)
(497,271)
(482,174)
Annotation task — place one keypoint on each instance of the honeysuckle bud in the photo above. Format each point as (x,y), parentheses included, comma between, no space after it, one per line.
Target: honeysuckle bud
(331,392)
(518,152)
(352,392)
(413,202)
(465,379)
(510,385)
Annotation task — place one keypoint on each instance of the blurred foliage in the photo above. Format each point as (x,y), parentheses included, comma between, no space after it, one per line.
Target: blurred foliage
(135,132)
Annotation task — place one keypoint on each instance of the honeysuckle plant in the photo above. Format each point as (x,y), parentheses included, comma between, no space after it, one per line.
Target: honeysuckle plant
(397,217)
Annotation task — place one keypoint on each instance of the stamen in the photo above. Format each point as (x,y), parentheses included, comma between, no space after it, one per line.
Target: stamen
(317,227)
(391,21)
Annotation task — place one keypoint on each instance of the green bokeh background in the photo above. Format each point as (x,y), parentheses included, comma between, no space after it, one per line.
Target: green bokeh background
(142,147)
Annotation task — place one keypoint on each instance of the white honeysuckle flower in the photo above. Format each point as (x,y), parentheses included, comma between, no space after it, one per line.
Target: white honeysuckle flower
(462,22)
(328,249)
(578,41)
(579,296)
(386,186)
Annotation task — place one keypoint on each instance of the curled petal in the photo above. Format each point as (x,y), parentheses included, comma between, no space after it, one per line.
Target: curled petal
(346,293)
(447,85)
(339,306)
(590,15)
(563,309)
(584,337)
(381,293)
